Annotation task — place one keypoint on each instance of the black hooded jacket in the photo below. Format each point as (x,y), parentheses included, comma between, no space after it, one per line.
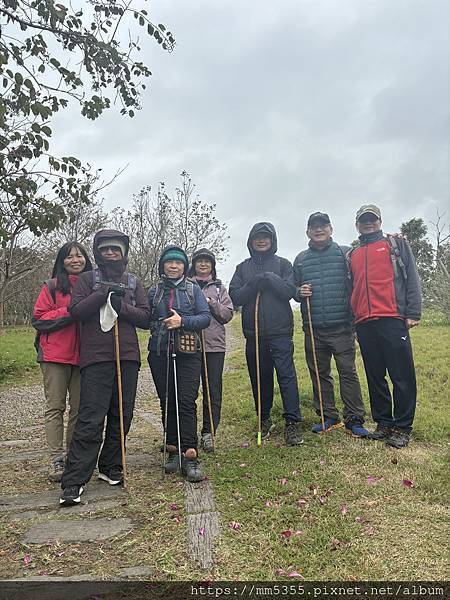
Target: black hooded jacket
(271,275)
(96,345)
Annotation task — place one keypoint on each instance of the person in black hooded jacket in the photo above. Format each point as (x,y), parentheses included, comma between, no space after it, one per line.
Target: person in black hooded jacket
(99,394)
(272,276)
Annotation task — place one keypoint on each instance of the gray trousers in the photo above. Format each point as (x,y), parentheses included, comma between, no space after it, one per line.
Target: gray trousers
(338,342)
(60,380)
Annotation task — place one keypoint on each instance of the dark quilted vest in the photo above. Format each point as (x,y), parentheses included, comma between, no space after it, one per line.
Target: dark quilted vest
(326,270)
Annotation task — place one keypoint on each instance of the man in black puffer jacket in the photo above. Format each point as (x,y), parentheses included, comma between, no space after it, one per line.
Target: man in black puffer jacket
(321,273)
(272,276)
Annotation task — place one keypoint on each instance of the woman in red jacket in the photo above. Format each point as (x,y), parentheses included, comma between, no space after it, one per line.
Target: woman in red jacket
(59,350)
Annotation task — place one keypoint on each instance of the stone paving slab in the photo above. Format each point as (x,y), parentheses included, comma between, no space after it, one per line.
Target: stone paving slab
(19,456)
(85,508)
(76,531)
(95,490)
(198,497)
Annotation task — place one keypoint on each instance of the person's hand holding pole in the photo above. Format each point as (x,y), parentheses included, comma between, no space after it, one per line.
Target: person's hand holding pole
(174,321)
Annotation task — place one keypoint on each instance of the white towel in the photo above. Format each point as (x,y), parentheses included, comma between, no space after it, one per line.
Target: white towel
(108,315)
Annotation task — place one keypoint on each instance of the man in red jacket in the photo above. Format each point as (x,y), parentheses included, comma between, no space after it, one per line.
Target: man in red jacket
(386,302)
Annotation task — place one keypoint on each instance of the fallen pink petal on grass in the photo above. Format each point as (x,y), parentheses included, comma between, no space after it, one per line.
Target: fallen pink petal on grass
(359,519)
(295,574)
(176,518)
(268,503)
(26,560)
(302,503)
(370,530)
(235,525)
(243,465)
(201,531)
(344,509)
(322,462)
(295,472)
(408,483)
(298,532)
(283,481)
(287,533)
(372,479)
(279,572)
(173,506)
(245,445)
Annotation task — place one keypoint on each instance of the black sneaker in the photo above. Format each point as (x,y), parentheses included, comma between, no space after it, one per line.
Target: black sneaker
(207,442)
(292,434)
(172,463)
(266,427)
(382,432)
(113,477)
(399,438)
(71,495)
(192,470)
(56,469)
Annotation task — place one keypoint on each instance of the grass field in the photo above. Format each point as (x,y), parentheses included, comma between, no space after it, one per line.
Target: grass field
(334,508)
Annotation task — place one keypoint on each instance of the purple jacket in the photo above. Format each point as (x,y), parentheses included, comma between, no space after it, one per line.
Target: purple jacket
(221,308)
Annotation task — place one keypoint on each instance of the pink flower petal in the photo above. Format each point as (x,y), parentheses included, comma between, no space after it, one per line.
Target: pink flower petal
(234,525)
(370,530)
(243,465)
(59,554)
(245,445)
(286,533)
(344,509)
(201,531)
(322,462)
(173,506)
(295,472)
(295,574)
(177,519)
(279,572)
(372,479)
(26,560)
(283,481)
(359,519)
(268,503)
(298,532)
(302,503)
(408,483)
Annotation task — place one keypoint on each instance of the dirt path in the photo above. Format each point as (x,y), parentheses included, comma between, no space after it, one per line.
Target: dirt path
(29,510)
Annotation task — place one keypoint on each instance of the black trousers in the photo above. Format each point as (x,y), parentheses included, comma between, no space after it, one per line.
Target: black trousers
(214,363)
(339,342)
(188,368)
(99,399)
(278,353)
(386,346)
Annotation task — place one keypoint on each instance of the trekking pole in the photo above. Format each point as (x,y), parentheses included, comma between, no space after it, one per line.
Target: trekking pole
(316,368)
(119,389)
(166,403)
(258,378)
(175,384)
(208,393)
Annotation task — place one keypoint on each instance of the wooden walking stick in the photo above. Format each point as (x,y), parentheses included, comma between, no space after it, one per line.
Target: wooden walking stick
(316,368)
(208,393)
(258,377)
(119,389)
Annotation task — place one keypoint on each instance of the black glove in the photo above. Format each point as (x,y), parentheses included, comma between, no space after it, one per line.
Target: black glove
(256,281)
(116,302)
(118,289)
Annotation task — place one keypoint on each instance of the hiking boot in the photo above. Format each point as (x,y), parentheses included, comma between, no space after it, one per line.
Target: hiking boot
(266,427)
(113,477)
(292,434)
(56,469)
(207,442)
(382,432)
(398,438)
(330,424)
(71,495)
(356,429)
(192,470)
(172,463)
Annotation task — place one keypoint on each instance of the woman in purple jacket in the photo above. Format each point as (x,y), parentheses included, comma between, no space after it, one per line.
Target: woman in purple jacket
(203,271)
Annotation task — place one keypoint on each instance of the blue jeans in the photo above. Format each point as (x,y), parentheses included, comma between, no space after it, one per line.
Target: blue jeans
(274,352)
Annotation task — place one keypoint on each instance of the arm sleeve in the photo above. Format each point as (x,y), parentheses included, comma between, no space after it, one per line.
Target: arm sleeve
(47,317)
(85,302)
(283,286)
(413,287)
(202,317)
(222,309)
(241,293)
(138,315)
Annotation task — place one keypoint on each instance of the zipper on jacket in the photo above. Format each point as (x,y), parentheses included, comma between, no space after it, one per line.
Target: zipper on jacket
(367,280)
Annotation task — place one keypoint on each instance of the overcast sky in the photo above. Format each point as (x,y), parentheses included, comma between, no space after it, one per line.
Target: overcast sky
(279,109)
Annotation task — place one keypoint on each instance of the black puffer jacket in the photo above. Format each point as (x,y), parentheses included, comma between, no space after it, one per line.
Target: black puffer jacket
(273,277)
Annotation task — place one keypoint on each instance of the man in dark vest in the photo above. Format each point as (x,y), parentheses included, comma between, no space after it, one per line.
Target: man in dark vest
(272,276)
(321,274)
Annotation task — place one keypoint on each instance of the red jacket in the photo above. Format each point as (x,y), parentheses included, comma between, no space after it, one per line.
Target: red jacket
(377,292)
(59,339)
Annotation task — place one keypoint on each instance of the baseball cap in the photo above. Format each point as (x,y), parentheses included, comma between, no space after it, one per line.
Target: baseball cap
(319,217)
(368,208)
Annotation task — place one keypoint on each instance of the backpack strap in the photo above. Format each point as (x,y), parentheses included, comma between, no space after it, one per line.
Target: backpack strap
(132,282)
(96,279)
(158,294)
(190,291)
(397,261)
